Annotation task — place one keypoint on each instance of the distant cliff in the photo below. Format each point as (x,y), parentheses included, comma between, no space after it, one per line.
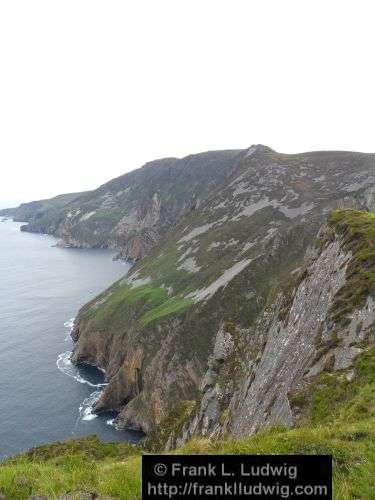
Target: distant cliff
(132,212)
(40,210)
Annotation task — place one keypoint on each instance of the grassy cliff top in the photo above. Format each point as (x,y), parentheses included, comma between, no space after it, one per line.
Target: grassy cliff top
(357,229)
(113,471)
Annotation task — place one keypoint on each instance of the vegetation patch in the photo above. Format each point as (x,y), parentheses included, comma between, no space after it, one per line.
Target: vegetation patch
(357,229)
(76,466)
(171,425)
(332,397)
(352,459)
(89,447)
(114,469)
(147,303)
(324,347)
(230,373)
(230,327)
(171,306)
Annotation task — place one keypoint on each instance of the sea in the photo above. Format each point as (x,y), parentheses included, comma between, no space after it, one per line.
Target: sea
(43,397)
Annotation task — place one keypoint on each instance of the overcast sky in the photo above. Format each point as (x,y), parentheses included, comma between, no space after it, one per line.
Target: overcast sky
(92,89)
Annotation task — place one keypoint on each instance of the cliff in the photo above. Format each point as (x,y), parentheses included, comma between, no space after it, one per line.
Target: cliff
(131,213)
(42,209)
(308,349)
(236,310)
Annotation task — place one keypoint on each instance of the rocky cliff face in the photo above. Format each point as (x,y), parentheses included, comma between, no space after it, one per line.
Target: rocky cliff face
(318,329)
(242,300)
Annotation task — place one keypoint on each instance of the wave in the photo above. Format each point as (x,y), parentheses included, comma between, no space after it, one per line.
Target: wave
(69,325)
(86,407)
(65,365)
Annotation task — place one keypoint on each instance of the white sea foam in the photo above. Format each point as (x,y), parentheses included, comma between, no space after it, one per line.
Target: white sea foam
(112,423)
(69,325)
(65,365)
(86,407)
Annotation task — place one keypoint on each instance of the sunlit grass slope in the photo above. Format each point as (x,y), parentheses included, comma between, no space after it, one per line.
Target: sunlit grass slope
(113,470)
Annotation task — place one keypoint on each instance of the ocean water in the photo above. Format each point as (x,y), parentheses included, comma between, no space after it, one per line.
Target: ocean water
(43,397)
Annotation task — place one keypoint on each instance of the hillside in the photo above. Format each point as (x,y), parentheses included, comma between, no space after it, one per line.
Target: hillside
(250,306)
(226,316)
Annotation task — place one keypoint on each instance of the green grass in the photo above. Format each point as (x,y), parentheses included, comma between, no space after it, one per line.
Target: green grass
(331,396)
(151,302)
(118,298)
(116,471)
(77,465)
(357,229)
(173,305)
(352,447)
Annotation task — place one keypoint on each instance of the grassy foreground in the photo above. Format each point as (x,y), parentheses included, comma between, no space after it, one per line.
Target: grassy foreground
(114,470)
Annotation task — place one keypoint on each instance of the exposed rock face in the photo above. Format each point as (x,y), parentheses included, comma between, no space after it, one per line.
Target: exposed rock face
(291,346)
(231,306)
(282,355)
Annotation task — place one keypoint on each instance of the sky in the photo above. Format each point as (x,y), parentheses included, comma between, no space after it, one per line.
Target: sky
(92,89)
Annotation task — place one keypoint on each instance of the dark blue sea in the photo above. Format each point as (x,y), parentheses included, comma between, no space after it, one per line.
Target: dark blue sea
(43,397)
